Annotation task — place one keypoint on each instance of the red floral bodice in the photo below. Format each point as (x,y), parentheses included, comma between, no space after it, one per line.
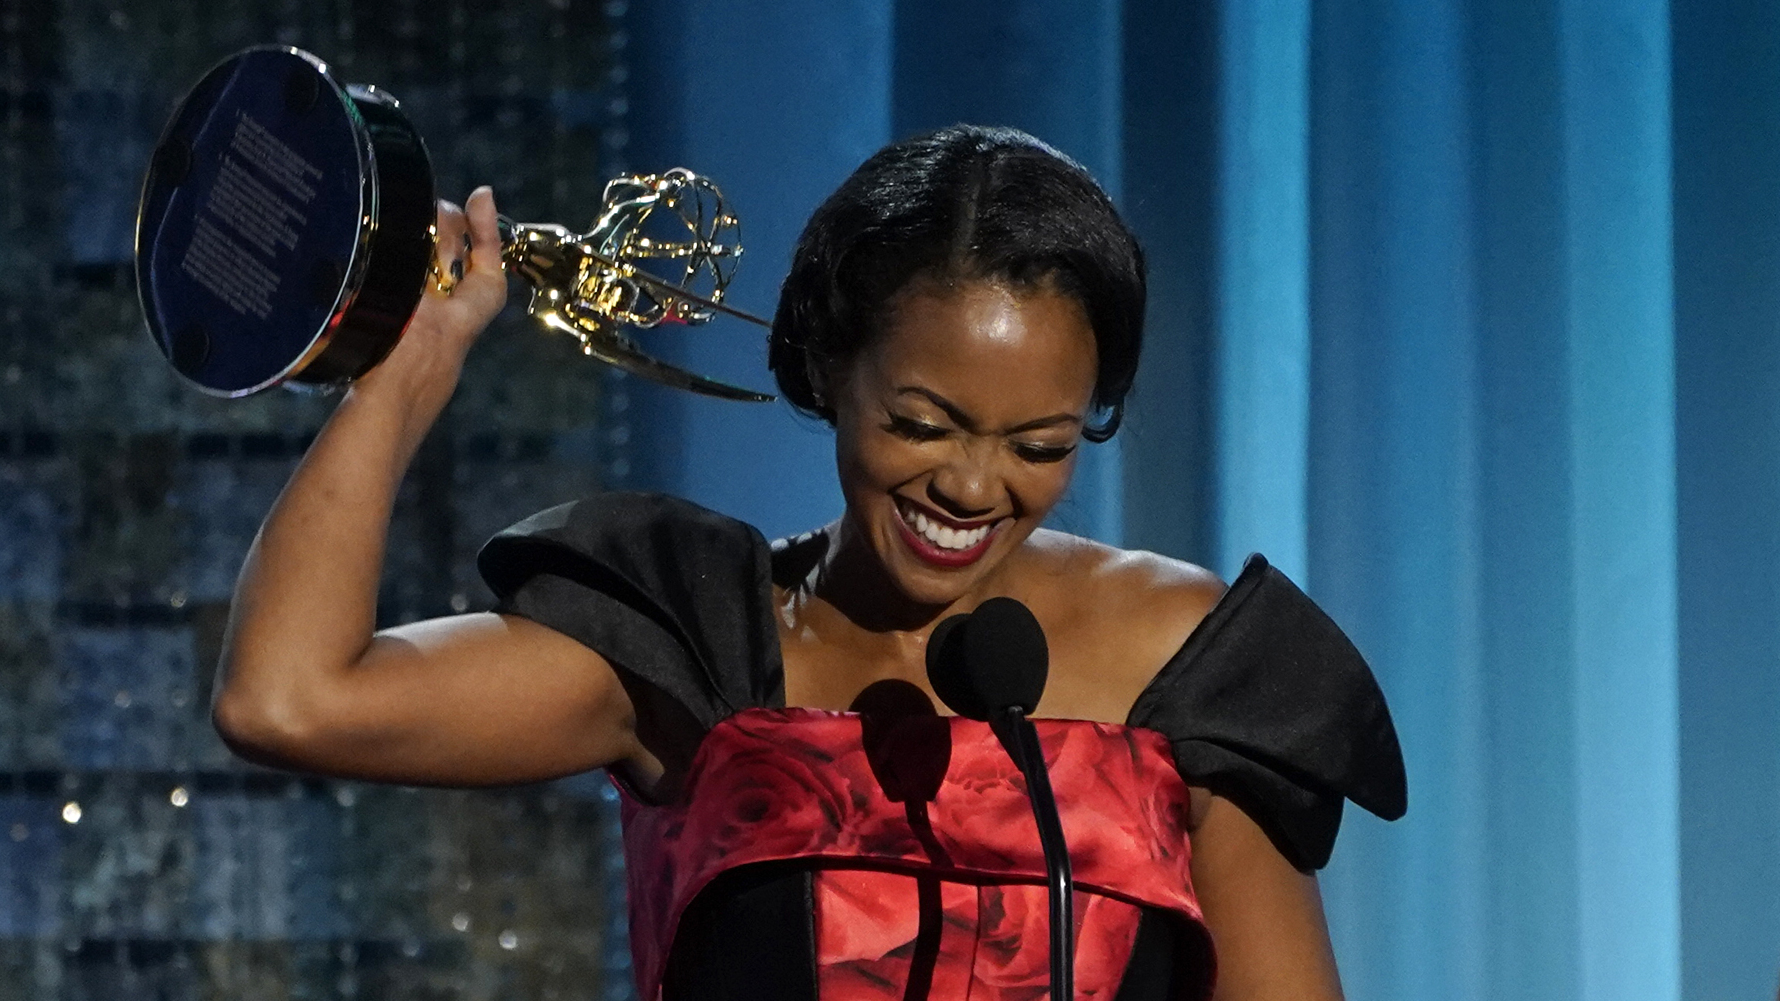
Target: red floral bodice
(917,819)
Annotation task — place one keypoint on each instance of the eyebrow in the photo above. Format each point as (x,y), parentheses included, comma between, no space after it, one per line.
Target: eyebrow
(964,420)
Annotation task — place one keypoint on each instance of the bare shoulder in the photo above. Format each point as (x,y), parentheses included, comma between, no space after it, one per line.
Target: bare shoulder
(1185,589)
(1134,579)
(1114,616)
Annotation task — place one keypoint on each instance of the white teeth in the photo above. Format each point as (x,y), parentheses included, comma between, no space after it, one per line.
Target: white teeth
(943,536)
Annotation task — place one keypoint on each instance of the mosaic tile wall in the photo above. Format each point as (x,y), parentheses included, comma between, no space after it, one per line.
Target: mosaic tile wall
(138,859)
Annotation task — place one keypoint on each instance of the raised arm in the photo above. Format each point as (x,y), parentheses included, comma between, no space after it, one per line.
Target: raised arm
(466,700)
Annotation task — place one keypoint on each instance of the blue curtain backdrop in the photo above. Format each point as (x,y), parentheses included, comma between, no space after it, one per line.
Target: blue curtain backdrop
(1465,312)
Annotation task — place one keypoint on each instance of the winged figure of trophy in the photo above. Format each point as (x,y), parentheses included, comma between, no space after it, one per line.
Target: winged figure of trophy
(285,237)
(595,284)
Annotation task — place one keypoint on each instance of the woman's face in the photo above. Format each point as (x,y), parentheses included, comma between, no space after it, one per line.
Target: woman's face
(956,430)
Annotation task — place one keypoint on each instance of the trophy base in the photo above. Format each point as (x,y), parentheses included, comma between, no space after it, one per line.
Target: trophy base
(285,228)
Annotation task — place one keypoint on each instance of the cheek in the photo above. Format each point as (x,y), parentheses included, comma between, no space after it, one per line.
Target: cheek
(1041,486)
(870,461)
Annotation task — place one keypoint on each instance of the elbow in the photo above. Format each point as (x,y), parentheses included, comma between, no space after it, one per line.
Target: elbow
(264,727)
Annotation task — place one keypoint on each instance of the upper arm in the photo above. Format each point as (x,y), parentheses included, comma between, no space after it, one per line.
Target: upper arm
(1266,918)
(475,699)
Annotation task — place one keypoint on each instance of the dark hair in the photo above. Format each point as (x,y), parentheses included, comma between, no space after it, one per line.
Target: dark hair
(964,203)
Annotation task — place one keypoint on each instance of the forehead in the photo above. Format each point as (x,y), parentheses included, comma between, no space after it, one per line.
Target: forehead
(1004,348)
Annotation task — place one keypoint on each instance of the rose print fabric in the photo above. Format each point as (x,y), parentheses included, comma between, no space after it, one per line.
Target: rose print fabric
(927,861)
(992,941)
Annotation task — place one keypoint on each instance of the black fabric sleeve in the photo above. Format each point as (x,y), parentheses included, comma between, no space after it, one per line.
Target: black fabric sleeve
(1270,705)
(667,591)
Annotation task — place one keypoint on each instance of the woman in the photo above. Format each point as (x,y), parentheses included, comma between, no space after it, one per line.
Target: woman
(964,311)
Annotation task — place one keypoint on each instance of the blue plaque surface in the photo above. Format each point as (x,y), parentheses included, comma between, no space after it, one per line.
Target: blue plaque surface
(257,222)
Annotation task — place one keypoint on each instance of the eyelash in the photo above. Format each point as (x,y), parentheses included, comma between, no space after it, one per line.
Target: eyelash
(921,431)
(914,430)
(1043,453)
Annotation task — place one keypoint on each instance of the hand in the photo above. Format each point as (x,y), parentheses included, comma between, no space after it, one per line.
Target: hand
(423,368)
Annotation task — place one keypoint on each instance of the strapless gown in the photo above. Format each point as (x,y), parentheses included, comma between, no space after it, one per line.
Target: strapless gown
(821,856)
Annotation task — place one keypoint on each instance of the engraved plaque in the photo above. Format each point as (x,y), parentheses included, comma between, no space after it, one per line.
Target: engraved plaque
(285,226)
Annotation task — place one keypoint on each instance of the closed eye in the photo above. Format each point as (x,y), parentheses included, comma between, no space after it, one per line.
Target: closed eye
(1042,453)
(914,430)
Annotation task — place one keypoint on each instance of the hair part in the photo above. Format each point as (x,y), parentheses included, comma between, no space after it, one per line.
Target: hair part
(963,204)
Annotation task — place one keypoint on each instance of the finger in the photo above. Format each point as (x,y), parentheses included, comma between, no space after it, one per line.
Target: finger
(484,230)
(450,229)
(451,225)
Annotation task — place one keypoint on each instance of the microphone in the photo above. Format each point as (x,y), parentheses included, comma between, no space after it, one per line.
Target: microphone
(989,660)
(991,665)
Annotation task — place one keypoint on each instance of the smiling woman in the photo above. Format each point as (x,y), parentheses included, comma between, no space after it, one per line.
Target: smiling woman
(800,821)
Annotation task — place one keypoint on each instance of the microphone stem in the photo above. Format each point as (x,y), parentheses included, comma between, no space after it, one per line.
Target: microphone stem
(1020,738)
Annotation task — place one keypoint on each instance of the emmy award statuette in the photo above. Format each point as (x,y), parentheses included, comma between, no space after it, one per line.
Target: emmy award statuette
(285,236)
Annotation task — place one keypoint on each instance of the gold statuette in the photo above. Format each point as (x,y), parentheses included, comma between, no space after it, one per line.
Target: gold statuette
(594,284)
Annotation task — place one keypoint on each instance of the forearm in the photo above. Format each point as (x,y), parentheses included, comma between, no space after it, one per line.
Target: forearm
(306,599)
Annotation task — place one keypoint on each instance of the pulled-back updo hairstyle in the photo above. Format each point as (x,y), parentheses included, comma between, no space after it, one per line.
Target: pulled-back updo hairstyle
(963,204)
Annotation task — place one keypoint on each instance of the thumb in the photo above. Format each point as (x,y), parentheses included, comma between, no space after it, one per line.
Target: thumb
(484,280)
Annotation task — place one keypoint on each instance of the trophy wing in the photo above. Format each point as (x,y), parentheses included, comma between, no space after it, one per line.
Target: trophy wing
(613,348)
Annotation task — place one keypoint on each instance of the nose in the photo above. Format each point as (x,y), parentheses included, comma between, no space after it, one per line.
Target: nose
(965,487)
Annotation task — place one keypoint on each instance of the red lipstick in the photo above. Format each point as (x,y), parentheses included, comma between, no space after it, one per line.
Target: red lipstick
(950,559)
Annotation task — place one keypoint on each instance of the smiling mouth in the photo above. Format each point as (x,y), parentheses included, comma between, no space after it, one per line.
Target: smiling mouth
(941,543)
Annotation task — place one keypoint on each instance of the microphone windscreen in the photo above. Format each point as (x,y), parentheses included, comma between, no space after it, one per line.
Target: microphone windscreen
(947,672)
(990,660)
(1007,656)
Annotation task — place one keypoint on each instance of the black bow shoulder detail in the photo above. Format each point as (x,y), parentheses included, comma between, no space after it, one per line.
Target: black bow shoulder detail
(1270,705)
(672,594)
